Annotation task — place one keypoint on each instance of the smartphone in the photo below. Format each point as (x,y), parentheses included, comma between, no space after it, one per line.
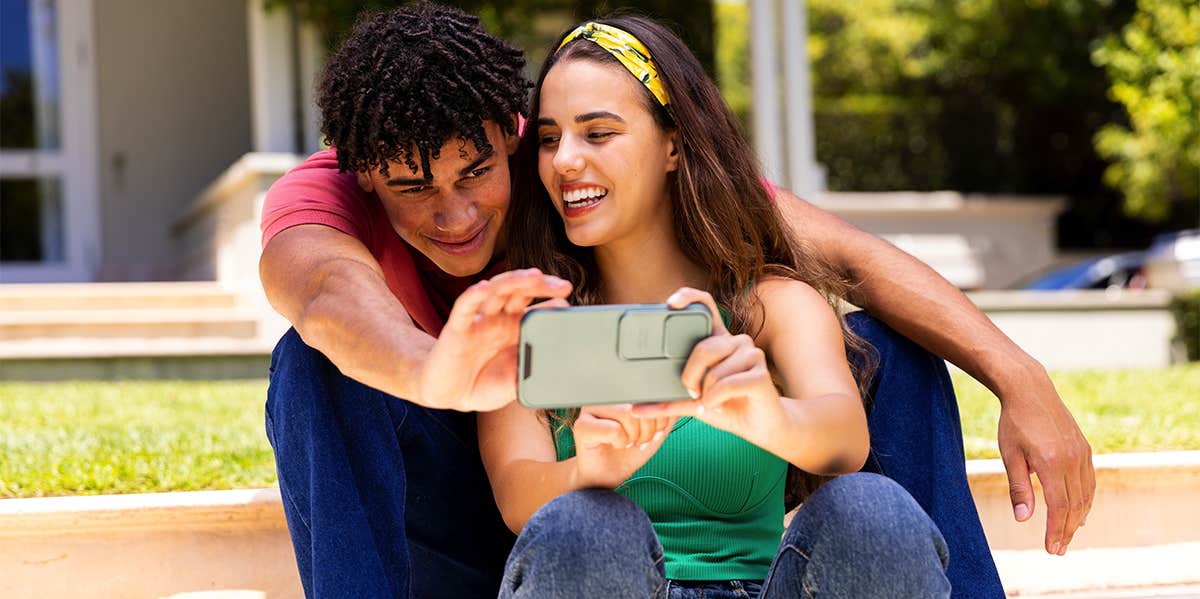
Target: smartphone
(606,354)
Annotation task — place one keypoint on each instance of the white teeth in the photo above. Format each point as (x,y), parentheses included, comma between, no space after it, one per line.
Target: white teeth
(585,196)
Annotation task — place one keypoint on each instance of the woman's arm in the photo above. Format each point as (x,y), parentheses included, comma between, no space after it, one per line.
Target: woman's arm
(518,454)
(826,423)
(1037,432)
(820,426)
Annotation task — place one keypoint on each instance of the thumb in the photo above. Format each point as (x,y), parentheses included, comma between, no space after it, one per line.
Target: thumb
(1020,487)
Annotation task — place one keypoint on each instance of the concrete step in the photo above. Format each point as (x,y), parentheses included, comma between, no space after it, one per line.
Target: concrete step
(226,541)
(1142,499)
(189,330)
(1108,572)
(31,326)
(185,295)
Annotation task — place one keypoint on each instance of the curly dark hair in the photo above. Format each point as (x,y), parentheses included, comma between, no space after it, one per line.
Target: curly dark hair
(407,80)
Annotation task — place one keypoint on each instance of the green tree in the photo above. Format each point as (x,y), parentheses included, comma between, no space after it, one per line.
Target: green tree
(530,24)
(1154,65)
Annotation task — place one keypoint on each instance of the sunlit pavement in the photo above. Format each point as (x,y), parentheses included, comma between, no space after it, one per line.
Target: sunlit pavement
(1158,571)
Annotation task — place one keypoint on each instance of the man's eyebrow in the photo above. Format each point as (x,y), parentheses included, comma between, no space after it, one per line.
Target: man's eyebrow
(412,181)
(480,159)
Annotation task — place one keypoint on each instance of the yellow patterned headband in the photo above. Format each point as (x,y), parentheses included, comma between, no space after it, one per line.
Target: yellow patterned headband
(628,50)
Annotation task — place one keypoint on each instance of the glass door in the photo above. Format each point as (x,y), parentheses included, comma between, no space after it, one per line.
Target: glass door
(49,222)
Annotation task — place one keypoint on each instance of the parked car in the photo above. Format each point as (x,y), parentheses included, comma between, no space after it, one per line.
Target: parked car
(1173,261)
(1102,272)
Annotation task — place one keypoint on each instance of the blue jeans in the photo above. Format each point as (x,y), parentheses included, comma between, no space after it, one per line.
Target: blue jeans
(386,498)
(916,440)
(859,536)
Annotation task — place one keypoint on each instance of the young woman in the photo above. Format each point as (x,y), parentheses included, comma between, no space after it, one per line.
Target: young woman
(645,190)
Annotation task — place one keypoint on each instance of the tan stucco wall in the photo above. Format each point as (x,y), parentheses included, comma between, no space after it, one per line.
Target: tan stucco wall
(174,113)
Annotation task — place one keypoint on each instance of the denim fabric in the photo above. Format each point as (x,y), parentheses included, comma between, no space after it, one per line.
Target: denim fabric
(733,589)
(589,543)
(374,511)
(384,498)
(916,440)
(858,536)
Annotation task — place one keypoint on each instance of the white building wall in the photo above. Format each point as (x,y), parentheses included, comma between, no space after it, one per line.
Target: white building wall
(174,113)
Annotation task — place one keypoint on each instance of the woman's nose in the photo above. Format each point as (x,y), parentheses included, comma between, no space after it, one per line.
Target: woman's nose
(567,158)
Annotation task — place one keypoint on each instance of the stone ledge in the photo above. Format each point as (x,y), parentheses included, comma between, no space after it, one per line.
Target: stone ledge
(1039,301)
(195,510)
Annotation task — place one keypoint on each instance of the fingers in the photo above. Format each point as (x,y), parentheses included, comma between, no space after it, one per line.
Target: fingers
(1058,511)
(591,431)
(509,292)
(718,357)
(1075,505)
(1020,487)
(686,295)
(669,409)
(549,304)
(1088,476)
(636,431)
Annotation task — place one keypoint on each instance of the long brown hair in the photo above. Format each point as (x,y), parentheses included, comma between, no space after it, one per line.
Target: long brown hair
(724,217)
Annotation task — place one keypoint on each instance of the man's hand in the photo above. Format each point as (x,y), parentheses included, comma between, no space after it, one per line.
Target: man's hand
(473,364)
(1038,434)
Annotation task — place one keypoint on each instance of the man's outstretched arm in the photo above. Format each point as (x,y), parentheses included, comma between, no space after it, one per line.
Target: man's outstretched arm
(332,290)
(1037,433)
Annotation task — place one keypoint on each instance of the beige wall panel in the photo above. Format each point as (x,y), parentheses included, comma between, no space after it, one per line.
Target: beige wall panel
(174,113)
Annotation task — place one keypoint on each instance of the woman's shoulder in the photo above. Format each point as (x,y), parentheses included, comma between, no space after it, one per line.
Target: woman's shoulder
(782,303)
(773,290)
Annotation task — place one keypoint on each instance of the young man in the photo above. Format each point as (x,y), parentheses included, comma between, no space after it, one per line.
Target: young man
(386,256)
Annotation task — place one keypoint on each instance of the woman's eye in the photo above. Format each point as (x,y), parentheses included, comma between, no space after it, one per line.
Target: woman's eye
(599,135)
(547,140)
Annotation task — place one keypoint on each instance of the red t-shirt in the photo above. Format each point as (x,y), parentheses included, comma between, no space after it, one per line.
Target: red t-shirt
(316,193)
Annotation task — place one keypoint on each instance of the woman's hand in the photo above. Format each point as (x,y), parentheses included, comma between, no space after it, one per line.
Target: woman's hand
(728,376)
(611,444)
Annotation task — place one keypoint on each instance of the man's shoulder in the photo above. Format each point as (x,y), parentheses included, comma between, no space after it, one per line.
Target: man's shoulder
(319,169)
(315,192)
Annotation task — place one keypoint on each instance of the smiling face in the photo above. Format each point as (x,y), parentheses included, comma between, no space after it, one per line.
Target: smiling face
(454,217)
(602,158)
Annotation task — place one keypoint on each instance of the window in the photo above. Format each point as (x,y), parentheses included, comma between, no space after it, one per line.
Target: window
(48,217)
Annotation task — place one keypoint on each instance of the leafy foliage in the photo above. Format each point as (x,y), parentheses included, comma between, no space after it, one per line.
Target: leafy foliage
(1154,65)
(530,24)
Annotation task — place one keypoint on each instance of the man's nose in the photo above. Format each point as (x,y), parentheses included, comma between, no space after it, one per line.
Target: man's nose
(456,213)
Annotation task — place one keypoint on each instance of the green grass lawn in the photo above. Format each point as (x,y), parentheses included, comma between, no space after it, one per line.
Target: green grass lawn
(88,438)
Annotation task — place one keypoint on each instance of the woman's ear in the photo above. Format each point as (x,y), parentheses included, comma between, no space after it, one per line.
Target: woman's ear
(365,181)
(673,151)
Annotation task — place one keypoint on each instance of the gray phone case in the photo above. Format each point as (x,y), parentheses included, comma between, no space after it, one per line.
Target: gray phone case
(591,355)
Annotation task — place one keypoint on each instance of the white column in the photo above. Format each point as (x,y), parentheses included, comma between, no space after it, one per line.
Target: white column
(312,57)
(768,139)
(805,176)
(271,91)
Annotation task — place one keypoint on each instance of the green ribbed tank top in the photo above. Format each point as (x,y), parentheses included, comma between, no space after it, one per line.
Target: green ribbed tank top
(715,500)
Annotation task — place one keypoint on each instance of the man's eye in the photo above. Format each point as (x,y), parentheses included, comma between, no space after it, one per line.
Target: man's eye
(419,189)
(479,172)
